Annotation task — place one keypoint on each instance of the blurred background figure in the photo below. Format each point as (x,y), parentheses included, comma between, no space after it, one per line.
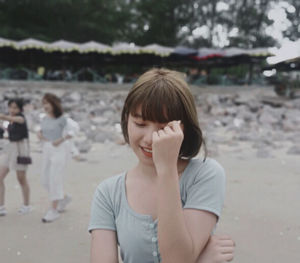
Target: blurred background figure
(18,146)
(55,155)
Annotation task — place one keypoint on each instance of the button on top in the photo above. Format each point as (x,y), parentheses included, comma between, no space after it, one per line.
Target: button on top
(154,253)
(154,239)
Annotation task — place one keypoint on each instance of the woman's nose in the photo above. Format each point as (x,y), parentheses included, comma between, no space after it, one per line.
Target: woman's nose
(148,135)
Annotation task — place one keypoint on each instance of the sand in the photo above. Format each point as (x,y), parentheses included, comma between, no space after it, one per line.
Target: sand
(261,213)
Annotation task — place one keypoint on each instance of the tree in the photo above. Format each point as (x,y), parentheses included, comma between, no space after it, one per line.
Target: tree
(293,14)
(195,23)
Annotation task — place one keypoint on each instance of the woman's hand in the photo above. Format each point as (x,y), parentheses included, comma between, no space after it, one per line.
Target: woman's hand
(218,249)
(68,137)
(166,145)
(61,140)
(40,136)
(2,116)
(57,142)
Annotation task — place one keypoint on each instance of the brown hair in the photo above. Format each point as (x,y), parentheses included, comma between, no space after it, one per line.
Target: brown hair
(55,103)
(164,96)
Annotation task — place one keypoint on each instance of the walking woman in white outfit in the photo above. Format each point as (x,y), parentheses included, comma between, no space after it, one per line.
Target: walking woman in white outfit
(54,155)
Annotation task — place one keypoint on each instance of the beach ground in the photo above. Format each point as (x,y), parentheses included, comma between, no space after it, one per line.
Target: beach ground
(261,210)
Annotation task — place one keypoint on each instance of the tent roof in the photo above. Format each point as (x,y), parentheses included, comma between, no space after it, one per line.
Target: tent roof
(157,50)
(125,48)
(6,42)
(63,45)
(93,46)
(31,43)
(131,48)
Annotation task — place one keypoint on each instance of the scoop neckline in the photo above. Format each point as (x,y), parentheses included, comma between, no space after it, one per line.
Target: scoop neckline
(147,216)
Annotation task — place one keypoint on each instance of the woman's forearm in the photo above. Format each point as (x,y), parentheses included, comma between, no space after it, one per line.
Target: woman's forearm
(17,119)
(175,242)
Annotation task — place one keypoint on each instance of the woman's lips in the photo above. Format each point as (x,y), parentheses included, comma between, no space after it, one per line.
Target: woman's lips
(147,152)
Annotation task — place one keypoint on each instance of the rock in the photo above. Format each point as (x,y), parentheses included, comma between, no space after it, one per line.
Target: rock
(292,115)
(75,96)
(263,153)
(289,125)
(267,118)
(254,106)
(84,146)
(294,150)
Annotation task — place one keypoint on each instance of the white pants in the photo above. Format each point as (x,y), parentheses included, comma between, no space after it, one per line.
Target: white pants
(53,166)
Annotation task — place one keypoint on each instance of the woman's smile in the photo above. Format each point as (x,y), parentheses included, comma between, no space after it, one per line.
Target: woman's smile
(146,151)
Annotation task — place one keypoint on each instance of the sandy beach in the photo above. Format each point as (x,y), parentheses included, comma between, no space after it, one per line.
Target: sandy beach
(261,209)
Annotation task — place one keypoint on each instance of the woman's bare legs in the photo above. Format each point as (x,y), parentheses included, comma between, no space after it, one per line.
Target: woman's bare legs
(3,172)
(21,175)
(54,204)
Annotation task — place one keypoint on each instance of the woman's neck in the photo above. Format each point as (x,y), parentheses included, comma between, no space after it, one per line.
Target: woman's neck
(51,115)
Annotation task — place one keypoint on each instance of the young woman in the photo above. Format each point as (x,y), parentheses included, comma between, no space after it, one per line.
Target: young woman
(18,145)
(54,155)
(166,207)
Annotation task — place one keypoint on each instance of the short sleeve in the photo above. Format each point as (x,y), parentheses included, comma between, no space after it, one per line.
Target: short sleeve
(207,192)
(63,121)
(102,214)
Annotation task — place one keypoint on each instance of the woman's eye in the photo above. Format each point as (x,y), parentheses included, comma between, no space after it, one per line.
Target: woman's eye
(140,124)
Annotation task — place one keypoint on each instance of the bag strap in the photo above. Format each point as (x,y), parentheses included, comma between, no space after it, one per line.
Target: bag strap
(18,146)
(28,147)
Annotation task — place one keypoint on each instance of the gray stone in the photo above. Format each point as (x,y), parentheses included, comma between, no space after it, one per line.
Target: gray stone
(84,146)
(263,153)
(294,150)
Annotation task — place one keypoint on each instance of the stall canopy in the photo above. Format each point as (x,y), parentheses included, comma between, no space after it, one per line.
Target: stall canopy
(127,48)
(65,54)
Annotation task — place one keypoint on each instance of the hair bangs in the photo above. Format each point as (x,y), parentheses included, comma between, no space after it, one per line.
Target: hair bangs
(158,104)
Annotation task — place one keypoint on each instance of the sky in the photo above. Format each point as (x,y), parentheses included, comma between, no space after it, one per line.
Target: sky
(277,13)
(288,49)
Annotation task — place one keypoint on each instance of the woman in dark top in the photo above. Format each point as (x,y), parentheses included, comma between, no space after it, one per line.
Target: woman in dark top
(18,146)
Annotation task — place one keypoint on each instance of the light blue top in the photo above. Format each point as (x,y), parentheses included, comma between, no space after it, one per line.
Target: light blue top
(52,128)
(202,186)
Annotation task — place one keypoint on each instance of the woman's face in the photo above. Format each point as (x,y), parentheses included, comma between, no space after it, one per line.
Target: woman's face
(140,136)
(13,109)
(47,107)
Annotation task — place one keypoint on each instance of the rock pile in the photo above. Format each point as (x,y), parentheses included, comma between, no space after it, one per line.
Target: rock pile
(225,119)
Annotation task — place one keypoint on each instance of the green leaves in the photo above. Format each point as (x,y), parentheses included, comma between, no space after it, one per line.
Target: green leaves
(167,22)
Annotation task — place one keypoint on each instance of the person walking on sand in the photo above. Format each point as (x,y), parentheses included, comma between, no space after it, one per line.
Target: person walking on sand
(165,208)
(18,146)
(55,155)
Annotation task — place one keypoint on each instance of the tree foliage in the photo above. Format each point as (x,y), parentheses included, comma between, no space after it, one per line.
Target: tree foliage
(293,31)
(211,23)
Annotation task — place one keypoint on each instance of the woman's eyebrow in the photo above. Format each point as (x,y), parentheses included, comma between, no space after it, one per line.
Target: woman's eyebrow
(137,115)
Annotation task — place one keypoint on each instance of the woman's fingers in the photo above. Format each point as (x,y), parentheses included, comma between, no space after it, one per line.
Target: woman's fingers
(227,250)
(227,243)
(228,257)
(161,133)
(175,125)
(168,129)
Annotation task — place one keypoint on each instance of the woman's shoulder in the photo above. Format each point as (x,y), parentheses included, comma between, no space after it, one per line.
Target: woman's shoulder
(112,185)
(204,168)
(205,163)
(109,191)
(62,118)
